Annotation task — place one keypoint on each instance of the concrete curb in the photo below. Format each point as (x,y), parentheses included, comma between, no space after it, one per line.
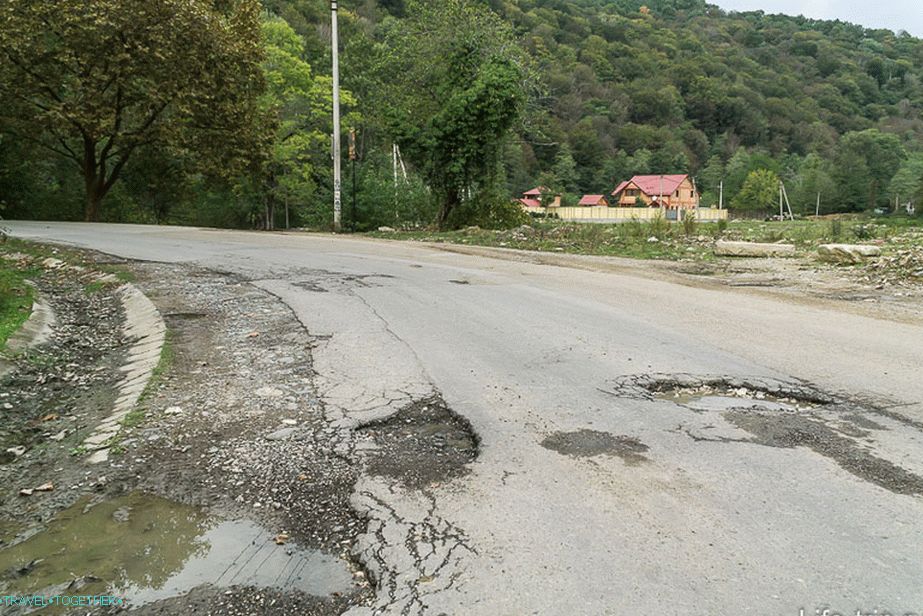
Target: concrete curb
(147,331)
(35,331)
(37,328)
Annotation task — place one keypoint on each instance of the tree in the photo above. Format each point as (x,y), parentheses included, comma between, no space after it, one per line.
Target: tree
(300,105)
(565,170)
(96,80)
(908,180)
(760,191)
(865,162)
(453,85)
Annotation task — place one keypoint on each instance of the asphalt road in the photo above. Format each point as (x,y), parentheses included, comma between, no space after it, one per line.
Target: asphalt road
(588,497)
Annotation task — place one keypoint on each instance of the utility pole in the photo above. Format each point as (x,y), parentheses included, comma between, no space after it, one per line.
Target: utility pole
(337,180)
(817,209)
(721,195)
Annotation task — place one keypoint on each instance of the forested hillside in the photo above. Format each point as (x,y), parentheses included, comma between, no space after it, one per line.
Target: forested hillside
(485,99)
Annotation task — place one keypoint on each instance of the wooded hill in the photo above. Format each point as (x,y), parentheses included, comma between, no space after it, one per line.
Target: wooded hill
(486,99)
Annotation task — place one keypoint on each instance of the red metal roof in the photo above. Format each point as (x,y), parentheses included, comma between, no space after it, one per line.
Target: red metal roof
(654,185)
(535,192)
(591,199)
(530,202)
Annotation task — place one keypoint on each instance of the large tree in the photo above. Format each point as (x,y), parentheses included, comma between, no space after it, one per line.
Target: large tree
(453,85)
(96,80)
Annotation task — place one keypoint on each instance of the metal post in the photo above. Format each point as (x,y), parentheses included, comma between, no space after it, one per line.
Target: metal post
(337,180)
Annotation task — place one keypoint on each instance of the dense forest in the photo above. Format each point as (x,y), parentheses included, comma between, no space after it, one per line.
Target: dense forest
(226,121)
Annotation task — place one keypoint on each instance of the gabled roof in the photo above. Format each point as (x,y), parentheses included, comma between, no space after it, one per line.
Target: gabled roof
(591,199)
(530,202)
(535,192)
(653,185)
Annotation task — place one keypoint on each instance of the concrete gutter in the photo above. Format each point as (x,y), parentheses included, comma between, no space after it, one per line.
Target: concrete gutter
(35,331)
(146,330)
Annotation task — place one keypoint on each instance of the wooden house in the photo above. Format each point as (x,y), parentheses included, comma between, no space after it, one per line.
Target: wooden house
(672,192)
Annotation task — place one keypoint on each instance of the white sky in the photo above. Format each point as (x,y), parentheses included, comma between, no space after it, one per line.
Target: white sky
(892,14)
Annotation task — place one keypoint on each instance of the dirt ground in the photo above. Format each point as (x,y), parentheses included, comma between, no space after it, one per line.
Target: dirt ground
(230,423)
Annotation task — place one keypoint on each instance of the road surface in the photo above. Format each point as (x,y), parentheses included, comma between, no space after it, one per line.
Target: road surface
(590,494)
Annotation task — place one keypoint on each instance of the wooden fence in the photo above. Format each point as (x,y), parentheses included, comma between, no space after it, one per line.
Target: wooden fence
(624,214)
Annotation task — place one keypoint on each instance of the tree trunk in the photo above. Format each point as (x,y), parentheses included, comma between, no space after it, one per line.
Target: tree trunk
(94,198)
(448,206)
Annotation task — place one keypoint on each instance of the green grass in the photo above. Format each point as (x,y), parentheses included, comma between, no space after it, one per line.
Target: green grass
(15,299)
(675,241)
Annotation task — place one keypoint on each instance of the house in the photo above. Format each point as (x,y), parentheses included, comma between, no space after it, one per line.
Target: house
(591,200)
(532,199)
(672,192)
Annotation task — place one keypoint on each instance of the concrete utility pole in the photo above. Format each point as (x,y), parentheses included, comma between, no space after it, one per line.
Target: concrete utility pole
(337,180)
(721,195)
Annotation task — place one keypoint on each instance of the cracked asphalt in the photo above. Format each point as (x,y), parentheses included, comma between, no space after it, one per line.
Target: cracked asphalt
(587,495)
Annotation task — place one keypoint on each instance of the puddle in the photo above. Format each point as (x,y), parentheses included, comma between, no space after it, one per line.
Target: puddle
(589,443)
(144,549)
(705,398)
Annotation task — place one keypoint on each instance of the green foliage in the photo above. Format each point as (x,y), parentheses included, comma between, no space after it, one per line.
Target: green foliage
(489,209)
(759,192)
(15,300)
(689,222)
(93,82)
(464,59)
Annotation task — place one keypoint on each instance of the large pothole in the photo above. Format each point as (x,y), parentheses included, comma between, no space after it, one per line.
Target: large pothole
(420,445)
(786,415)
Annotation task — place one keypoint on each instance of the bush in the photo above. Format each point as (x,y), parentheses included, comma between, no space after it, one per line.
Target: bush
(489,209)
(689,222)
(864,232)
(836,228)
(658,227)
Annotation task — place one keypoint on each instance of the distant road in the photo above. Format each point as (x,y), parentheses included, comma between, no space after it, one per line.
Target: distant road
(591,496)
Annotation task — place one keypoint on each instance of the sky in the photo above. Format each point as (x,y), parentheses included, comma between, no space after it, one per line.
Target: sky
(892,14)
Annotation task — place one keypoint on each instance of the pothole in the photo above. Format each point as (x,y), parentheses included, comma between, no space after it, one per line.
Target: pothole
(145,549)
(589,443)
(786,415)
(422,444)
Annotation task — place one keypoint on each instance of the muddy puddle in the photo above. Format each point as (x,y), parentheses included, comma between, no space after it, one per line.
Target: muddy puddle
(144,549)
(706,398)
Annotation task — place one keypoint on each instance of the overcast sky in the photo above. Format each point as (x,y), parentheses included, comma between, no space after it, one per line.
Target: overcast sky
(892,14)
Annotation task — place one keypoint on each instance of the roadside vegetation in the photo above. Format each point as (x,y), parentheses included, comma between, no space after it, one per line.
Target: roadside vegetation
(659,239)
(15,298)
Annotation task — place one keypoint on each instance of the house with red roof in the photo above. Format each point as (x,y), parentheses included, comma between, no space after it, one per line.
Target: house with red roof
(532,199)
(666,191)
(591,200)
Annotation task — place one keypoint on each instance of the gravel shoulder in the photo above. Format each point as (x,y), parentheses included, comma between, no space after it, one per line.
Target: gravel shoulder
(230,424)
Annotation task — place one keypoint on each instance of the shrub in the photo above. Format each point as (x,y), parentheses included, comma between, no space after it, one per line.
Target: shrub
(689,222)
(836,228)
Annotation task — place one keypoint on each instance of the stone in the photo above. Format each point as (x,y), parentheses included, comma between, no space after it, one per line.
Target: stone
(174,410)
(385,229)
(59,436)
(847,254)
(725,248)
(122,514)
(16,451)
(269,392)
(280,435)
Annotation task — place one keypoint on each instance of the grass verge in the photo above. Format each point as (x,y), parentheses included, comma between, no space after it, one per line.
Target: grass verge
(15,299)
